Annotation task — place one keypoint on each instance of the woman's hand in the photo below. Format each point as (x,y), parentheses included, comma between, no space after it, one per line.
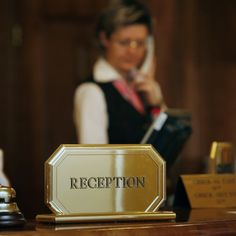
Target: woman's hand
(150,90)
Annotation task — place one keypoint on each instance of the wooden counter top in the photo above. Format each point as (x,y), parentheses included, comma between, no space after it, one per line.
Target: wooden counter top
(194,222)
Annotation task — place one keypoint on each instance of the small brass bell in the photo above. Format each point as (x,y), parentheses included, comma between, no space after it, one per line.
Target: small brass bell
(10,214)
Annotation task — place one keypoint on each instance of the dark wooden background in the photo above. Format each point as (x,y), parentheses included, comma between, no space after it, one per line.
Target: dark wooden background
(47,46)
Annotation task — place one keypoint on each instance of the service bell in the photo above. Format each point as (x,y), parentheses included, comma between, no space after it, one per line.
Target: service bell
(10,214)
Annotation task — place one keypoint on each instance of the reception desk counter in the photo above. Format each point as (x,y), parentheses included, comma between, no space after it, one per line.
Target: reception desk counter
(194,222)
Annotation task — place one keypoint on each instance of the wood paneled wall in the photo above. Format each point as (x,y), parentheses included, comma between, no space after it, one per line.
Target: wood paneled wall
(47,46)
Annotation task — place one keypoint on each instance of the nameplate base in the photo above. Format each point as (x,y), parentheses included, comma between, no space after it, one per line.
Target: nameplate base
(87,218)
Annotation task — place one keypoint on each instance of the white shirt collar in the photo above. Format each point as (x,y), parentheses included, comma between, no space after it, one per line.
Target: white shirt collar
(103,72)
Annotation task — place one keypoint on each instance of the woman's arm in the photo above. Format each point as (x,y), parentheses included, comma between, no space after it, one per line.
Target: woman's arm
(90,114)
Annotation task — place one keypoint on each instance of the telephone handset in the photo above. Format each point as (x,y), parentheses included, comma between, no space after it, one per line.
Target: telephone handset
(148,61)
(137,73)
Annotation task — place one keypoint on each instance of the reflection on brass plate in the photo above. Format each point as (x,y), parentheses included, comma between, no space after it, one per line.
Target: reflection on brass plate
(102,180)
(102,217)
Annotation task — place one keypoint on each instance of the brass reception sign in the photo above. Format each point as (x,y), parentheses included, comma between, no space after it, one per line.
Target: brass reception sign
(104,179)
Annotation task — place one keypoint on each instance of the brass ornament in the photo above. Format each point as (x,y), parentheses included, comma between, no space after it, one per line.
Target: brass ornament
(10,214)
(222,158)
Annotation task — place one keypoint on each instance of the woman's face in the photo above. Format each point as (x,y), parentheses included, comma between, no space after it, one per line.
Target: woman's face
(126,47)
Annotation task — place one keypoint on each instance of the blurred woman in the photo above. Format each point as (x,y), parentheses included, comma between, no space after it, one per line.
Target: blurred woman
(117,102)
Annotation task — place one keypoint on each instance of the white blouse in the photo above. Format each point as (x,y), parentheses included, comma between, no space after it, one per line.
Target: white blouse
(90,110)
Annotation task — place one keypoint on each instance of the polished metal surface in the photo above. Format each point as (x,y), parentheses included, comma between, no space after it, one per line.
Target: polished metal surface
(103,217)
(7,200)
(222,158)
(104,179)
(10,215)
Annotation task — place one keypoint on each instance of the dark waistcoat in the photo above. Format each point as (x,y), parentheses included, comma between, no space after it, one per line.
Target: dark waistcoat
(126,124)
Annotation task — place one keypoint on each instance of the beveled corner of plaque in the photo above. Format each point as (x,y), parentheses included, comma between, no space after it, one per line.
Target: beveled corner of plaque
(93,179)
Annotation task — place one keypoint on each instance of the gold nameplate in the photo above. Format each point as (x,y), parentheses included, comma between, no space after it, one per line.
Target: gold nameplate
(104,181)
(206,191)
